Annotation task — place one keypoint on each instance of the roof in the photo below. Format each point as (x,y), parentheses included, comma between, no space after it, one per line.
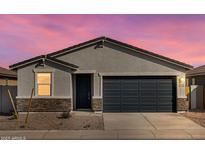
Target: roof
(43,58)
(109,40)
(196,71)
(7,73)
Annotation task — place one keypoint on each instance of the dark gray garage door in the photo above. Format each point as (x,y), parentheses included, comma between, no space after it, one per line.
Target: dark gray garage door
(139,94)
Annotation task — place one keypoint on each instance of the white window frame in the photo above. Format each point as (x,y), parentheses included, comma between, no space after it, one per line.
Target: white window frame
(36,71)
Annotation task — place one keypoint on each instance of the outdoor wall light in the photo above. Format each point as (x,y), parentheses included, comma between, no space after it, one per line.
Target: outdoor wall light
(181,80)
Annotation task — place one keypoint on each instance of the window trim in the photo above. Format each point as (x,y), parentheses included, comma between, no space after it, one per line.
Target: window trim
(36,71)
(44,84)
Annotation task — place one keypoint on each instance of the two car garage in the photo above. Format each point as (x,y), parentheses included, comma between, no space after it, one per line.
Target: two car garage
(139,94)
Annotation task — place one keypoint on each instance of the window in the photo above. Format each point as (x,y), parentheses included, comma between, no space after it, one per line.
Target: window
(44,84)
(193,81)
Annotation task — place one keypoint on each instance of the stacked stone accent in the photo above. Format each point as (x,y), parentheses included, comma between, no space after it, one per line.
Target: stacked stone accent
(182,104)
(44,105)
(97,104)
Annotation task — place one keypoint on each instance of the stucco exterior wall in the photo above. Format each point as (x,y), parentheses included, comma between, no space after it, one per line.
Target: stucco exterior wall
(61,83)
(112,60)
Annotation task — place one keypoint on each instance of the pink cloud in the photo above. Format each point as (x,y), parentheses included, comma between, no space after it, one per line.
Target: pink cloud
(176,36)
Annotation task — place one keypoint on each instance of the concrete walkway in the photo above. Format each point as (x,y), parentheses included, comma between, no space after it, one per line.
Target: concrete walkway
(123,126)
(103,134)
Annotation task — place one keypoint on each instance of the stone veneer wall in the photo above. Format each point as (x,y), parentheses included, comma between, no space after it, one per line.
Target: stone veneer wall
(182,104)
(97,104)
(44,105)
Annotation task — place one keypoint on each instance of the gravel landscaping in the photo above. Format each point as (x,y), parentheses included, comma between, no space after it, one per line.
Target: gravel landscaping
(54,121)
(197,117)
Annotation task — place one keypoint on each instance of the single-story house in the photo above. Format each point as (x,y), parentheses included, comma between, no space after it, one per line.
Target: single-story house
(8,80)
(195,80)
(102,74)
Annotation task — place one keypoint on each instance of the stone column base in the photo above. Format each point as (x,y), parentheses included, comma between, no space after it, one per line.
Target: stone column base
(44,105)
(182,104)
(97,104)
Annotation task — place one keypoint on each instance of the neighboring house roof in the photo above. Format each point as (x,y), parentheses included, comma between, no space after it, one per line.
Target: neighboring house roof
(196,71)
(102,40)
(43,58)
(7,73)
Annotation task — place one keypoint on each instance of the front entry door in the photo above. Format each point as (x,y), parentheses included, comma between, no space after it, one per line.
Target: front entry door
(83,91)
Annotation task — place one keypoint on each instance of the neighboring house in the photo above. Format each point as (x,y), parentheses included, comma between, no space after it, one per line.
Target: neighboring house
(8,80)
(195,80)
(103,75)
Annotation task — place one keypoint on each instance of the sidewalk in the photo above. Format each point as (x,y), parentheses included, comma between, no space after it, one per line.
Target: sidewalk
(103,134)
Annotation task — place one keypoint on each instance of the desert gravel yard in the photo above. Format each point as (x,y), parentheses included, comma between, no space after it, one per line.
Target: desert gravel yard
(53,121)
(89,125)
(197,117)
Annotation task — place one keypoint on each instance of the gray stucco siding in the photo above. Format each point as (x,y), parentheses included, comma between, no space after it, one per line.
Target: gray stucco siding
(112,60)
(115,60)
(26,79)
(97,85)
(60,84)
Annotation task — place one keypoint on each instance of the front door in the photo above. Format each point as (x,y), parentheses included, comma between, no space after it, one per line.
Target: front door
(83,91)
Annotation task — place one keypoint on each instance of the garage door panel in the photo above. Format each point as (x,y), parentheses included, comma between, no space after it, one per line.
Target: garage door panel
(129,94)
(112,100)
(138,94)
(165,93)
(130,85)
(112,86)
(148,103)
(127,98)
(148,84)
(112,93)
(147,91)
(130,102)
(165,86)
(148,94)
(112,108)
(165,101)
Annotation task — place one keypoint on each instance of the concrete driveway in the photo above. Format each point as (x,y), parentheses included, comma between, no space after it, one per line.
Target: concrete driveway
(152,126)
(147,121)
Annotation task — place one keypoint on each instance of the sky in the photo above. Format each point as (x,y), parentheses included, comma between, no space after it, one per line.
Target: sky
(181,37)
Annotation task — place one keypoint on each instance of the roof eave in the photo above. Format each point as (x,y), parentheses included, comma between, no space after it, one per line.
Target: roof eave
(196,74)
(8,75)
(71,67)
(94,41)
(44,57)
(187,66)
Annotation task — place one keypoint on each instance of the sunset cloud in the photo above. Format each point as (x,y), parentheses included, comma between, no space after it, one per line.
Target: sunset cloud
(181,37)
